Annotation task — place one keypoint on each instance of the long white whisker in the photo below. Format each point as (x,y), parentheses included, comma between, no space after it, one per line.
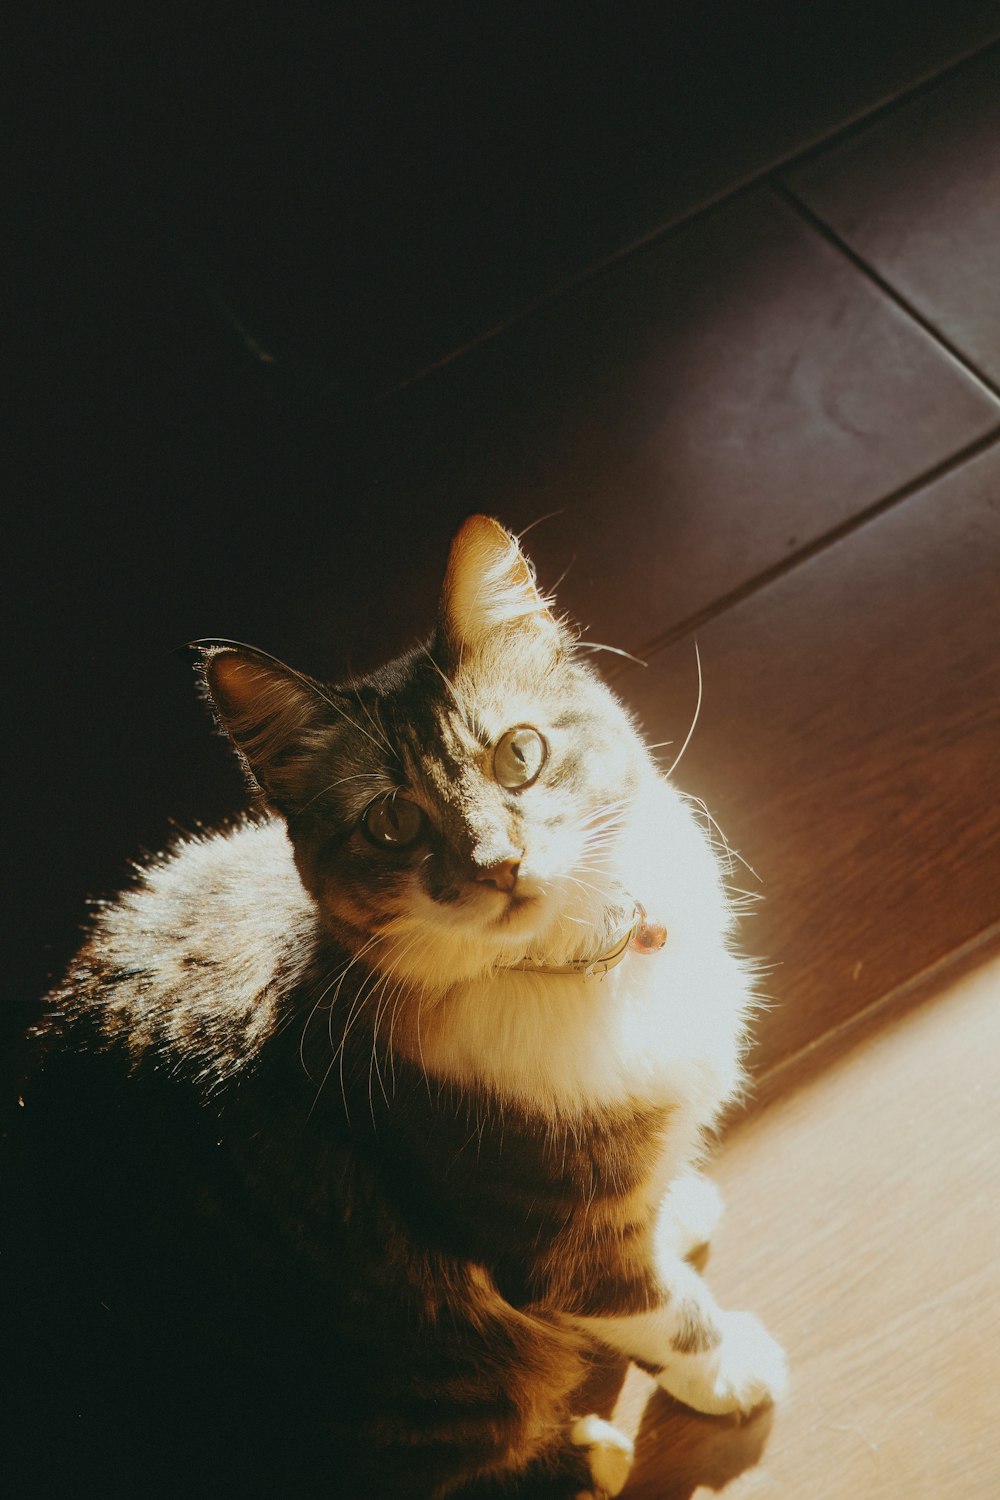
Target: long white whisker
(358,776)
(615,650)
(377,978)
(377,937)
(548,516)
(697,711)
(338,980)
(390,996)
(378,728)
(357,1005)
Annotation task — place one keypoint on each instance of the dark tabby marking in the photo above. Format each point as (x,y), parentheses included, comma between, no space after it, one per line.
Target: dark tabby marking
(697,1333)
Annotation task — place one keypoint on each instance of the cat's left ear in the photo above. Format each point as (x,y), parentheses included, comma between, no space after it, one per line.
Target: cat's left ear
(271,713)
(490,590)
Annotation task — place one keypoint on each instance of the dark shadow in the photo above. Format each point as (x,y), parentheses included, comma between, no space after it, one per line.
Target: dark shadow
(678,1450)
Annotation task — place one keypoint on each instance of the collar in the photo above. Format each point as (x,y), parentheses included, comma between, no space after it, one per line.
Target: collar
(598,965)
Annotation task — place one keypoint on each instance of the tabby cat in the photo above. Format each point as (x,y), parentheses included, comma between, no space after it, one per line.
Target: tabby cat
(374,1115)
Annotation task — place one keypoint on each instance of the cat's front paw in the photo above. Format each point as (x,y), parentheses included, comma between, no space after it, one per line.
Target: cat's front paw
(690,1212)
(746,1370)
(609,1456)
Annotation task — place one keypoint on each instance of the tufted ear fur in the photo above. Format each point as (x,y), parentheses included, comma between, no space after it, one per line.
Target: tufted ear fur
(490,587)
(272,714)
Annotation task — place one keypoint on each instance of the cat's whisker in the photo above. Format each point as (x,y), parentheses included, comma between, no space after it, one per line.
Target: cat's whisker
(361,1000)
(390,1050)
(600,849)
(357,776)
(357,1005)
(453,691)
(601,839)
(615,650)
(380,1005)
(392,984)
(601,856)
(602,842)
(607,809)
(713,828)
(420,1043)
(377,937)
(316,690)
(390,995)
(587,887)
(697,711)
(398,996)
(338,980)
(378,728)
(744,895)
(607,827)
(611,822)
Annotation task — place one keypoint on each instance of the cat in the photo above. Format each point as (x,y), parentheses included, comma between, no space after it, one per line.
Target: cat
(378,1112)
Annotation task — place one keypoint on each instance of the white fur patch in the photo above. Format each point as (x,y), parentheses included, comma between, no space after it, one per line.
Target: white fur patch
(747,1370)
(609,1452)
(689,1214)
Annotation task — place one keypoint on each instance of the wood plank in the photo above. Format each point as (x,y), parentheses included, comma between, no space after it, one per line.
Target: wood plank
(849,745)
(916,197)
(864,1228)
(696,415)
(416,178)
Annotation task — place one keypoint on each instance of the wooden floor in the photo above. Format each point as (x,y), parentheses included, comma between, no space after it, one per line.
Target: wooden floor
(863,1225)
(766,438)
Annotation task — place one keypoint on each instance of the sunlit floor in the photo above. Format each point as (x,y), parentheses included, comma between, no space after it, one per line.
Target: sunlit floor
(863,1225)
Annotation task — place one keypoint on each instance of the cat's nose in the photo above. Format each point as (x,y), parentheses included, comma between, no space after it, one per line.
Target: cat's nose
(503,874)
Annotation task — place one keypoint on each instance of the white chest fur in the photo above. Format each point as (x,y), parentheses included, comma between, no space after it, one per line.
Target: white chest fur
(663,1027)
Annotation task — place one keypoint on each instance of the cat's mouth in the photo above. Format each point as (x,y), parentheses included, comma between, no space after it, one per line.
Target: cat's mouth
(517,905)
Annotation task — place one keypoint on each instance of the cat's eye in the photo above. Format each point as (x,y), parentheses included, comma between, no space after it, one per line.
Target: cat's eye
(519,756)
(393,822)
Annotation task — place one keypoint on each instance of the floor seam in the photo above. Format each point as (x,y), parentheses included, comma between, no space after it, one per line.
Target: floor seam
(767,1084)
(899,300)
(925,84)
(760,581)
(764,177)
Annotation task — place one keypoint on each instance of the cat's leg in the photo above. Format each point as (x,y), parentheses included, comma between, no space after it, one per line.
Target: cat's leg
(585,1459)
(483,1405)
(609,1455)
(713,1361)
(689,1213)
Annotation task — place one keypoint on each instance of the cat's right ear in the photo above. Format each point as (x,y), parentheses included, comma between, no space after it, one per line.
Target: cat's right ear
(490,594)
(271,713)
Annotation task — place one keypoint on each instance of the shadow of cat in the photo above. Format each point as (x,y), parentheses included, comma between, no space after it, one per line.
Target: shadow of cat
(678,1451)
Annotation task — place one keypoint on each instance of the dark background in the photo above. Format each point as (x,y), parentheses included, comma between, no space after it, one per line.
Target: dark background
(239,239)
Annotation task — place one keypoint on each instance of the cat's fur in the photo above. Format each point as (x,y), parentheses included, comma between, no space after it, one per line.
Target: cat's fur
(361,1196)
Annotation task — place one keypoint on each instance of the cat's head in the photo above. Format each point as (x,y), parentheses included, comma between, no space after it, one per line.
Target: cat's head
(459,808)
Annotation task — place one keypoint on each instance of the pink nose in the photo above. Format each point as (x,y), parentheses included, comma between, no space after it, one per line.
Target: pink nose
(503,874)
